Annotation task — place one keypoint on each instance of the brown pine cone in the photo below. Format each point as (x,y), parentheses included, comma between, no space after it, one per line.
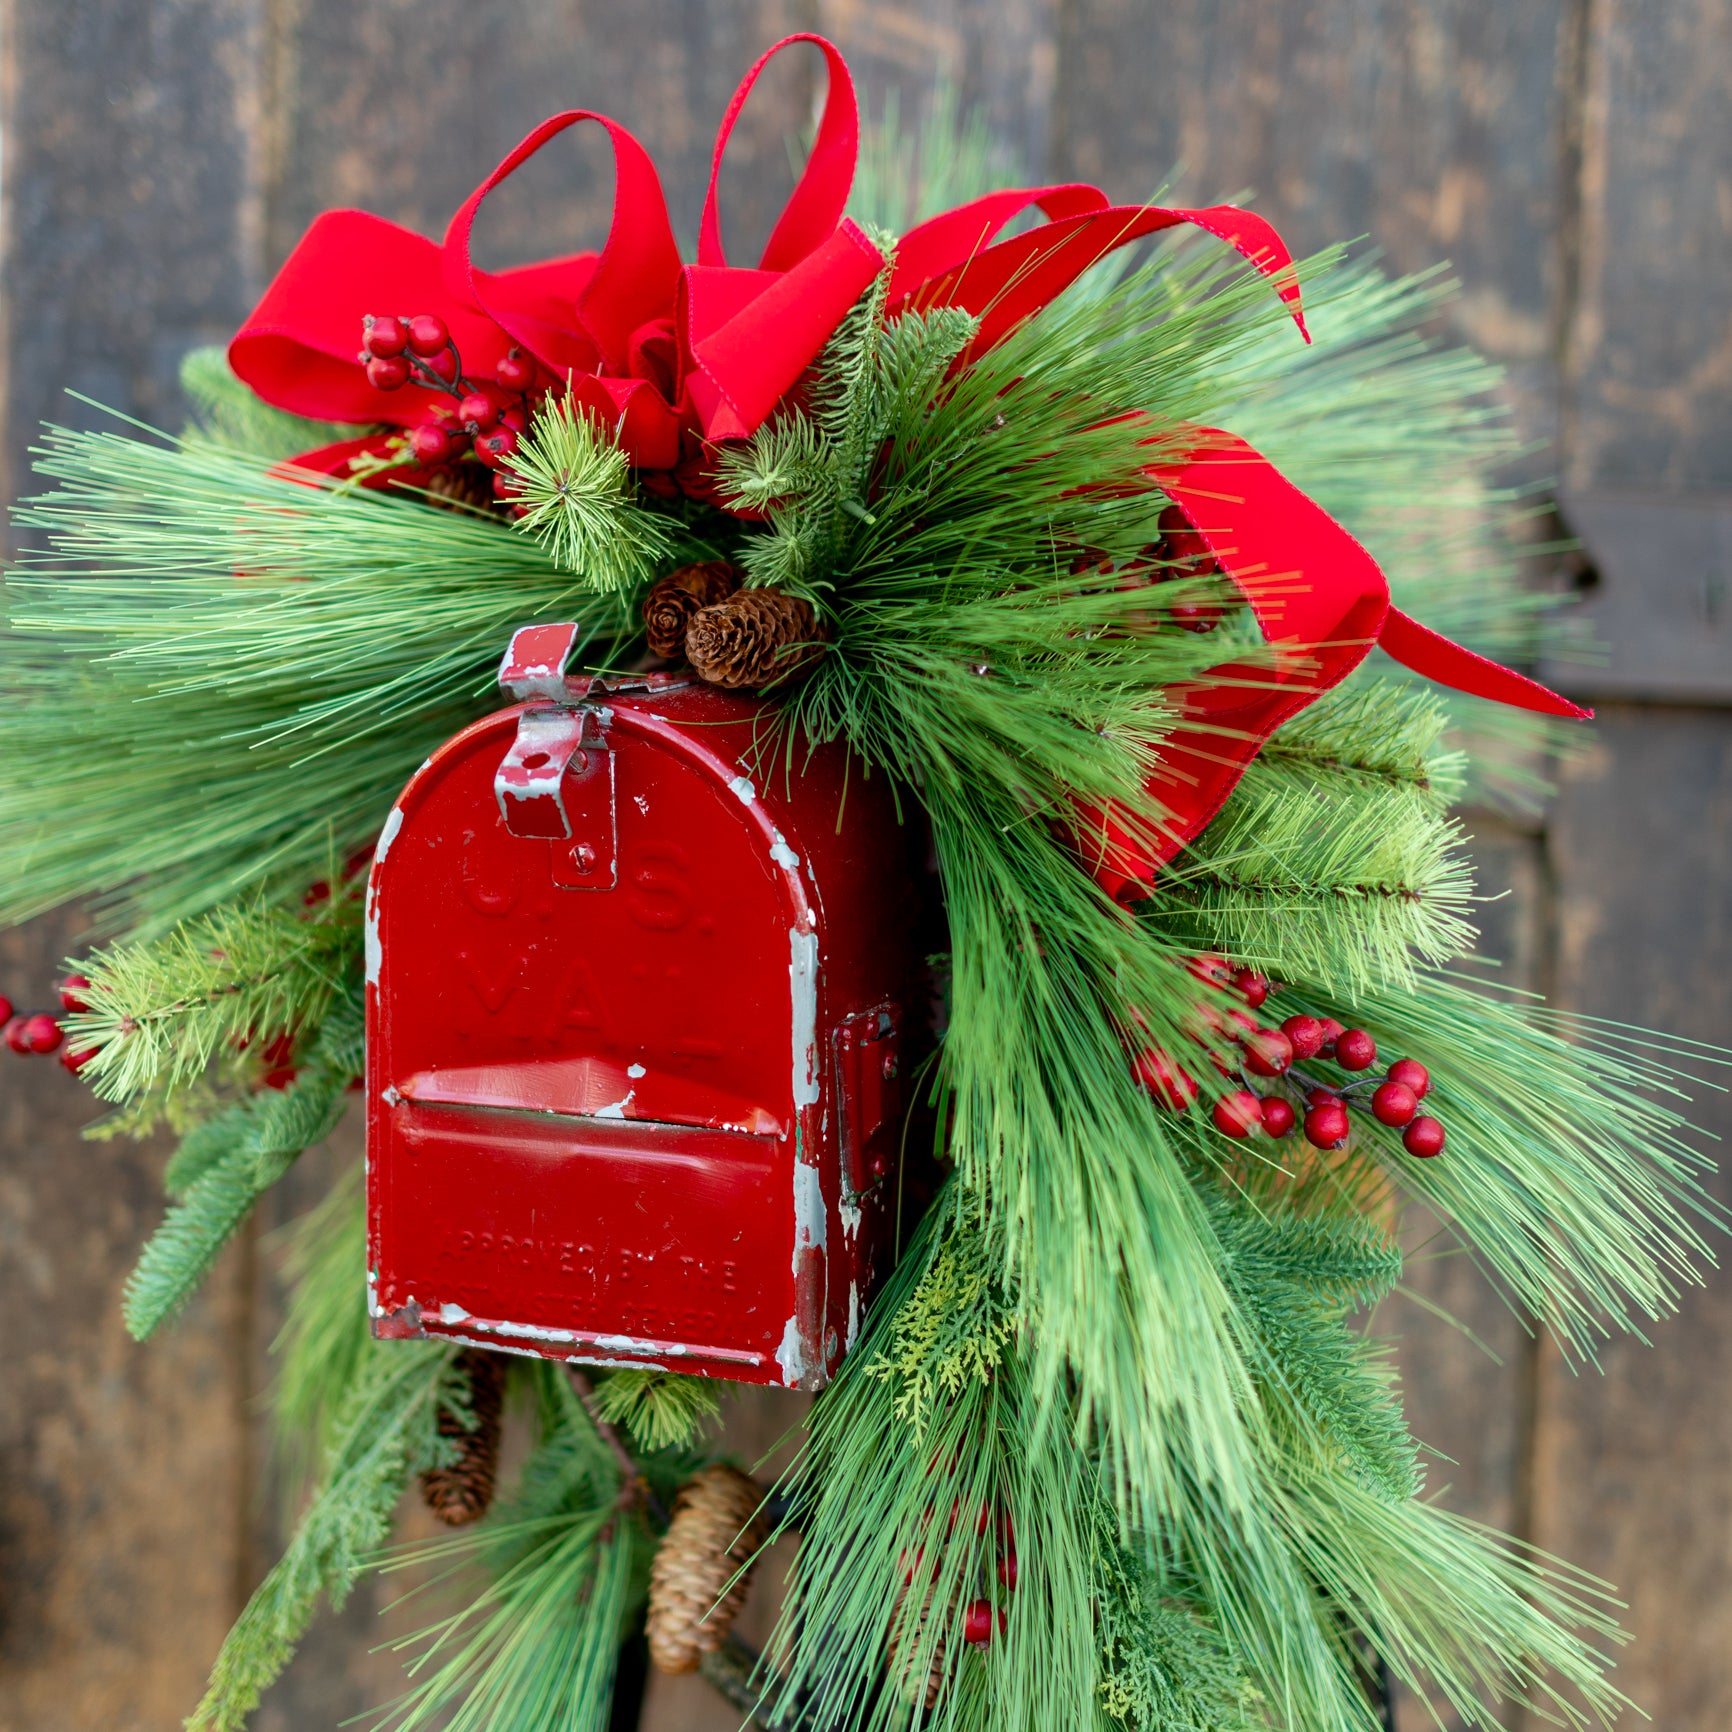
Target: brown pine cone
(917,1689)
(672,600)
(460,484)
(758,638)
(460,1494)
(716,1527)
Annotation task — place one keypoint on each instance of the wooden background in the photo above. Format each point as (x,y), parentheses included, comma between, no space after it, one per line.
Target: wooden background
(1573,157)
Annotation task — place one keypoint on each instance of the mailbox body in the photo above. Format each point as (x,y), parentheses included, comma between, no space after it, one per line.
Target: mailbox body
(634,1092)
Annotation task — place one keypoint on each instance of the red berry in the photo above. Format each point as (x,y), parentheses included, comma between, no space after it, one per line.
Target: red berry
(1268,1052)
(1238,1024)
(388,372)
(1394,1103)
(316,892)
(1326,1125)
(497,447)
(385,336)
(5,1008)
(503,486)
(72,991)
(1332,1032)
(1215,970)
(1355,1049)
(1169,1085)
(1252,987)
(16,1037)
(75,1059)
(977,1623)
(1424,1137)
(431,443)
(515,372)
(1007,1570)
(1238,1114)
(1320,1097)
(478,411)
(1305,1033)
(428,335)
(1278,1116)
(512,416)
(1411,1074)
(42,1032)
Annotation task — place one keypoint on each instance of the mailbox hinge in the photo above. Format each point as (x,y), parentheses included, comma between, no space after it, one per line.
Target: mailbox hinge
(869,1097)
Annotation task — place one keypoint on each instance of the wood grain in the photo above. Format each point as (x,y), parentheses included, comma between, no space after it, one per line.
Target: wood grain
(1632,1476)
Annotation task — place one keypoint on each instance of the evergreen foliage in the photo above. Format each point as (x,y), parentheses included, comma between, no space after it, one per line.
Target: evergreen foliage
(580,504)
(160,1011)
(1121,1350)
(660,1410)
(257,660)
(239,1155)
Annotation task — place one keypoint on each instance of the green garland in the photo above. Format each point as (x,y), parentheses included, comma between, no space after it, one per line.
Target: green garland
(1121,1359)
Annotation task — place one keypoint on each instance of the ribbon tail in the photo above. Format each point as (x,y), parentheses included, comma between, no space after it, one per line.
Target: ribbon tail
(1446,662)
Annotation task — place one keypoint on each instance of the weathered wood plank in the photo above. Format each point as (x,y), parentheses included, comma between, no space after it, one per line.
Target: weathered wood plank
(123,1469)
(1632,1478)
(1428,125)
(403,108)
(1650,349)
(1661,604)
(130,233)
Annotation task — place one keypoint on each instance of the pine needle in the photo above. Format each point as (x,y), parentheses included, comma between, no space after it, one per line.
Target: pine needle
(580,504)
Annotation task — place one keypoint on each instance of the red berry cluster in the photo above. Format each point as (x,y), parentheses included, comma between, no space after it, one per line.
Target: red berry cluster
(1274,1053)
(40,1033)
(980,1617)
(485,416)
(1180,553)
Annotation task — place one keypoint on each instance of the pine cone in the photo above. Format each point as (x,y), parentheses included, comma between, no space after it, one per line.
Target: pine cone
(460,1494)
(758,638)
(673,599)
(461,484)
(715,1529)
(915,1688)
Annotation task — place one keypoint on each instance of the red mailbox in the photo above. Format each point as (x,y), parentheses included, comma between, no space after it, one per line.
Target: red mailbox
(641,994)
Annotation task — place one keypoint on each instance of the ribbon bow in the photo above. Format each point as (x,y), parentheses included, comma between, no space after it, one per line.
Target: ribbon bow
(679,357)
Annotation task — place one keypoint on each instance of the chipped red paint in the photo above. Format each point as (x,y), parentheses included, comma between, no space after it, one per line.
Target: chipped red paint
(618,1058)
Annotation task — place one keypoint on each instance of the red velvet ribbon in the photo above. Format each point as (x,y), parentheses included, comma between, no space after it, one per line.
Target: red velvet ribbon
(678,357)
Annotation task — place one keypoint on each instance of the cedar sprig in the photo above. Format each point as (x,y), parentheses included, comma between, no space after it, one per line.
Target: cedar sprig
(579,501)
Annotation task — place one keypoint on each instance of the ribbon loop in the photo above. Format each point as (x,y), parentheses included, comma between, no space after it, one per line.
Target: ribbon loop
(638,267)
(820,196)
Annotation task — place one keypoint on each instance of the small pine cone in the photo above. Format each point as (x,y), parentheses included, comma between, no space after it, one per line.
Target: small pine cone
(456,484)
(917,1689)
(672,600)
(758,638)
(460,1494)
(716,1527)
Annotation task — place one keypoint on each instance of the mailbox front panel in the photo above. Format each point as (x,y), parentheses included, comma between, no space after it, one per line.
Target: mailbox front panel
(602,1067)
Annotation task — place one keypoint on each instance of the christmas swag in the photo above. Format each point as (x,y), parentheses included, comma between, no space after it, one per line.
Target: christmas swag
(952,917)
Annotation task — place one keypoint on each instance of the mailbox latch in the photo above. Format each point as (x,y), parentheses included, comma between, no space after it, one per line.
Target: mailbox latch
(557,781)
(869,1091)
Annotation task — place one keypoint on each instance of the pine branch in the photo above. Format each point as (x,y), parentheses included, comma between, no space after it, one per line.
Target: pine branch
(660,1409)
(238,1157)
(160,1011)
(257,662)
(580,503)
(386,1434)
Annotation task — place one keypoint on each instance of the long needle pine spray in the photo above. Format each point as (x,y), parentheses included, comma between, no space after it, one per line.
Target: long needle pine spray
(1113,1448)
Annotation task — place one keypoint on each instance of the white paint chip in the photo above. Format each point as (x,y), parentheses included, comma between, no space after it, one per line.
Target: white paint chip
(635,1070)
(742,790)
(803,987)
